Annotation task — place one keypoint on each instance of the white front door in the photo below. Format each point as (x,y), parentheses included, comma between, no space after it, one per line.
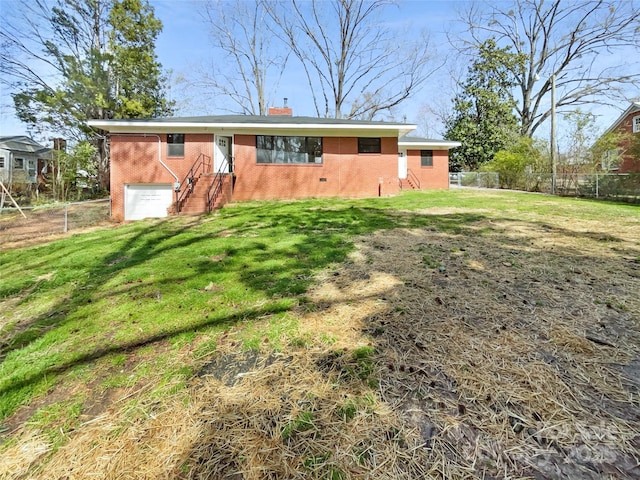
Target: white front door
(402,165)
(222,154)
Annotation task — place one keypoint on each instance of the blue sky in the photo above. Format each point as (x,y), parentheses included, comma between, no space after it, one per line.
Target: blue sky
(184,43)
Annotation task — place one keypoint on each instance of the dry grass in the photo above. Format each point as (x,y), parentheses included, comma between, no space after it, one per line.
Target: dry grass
(46,224)
(512,359)
(510,351)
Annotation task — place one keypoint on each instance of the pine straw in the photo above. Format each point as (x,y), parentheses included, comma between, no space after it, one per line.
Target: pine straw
(288,420)
(512,351)
(121,445)
(511,358)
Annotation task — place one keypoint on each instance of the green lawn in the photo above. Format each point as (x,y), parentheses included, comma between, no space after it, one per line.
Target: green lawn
(151,299)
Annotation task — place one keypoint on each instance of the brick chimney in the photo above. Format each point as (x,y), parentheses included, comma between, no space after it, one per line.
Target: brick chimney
(285,111)
(59,144)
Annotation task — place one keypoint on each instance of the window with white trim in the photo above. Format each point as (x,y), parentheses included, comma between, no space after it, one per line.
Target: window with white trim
(18,163)
(611,160)
(175,145)
(635,122)
(31,168)
(1,162)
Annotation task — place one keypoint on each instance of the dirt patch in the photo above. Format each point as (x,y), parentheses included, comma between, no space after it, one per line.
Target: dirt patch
(47,224)
(17,421)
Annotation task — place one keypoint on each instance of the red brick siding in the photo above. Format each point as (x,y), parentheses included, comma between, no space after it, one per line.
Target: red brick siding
(436,176)
(347,173)
(288,111)
(628,163)
(135,160)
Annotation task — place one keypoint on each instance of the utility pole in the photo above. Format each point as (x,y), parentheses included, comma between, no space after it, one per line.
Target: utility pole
(553,134)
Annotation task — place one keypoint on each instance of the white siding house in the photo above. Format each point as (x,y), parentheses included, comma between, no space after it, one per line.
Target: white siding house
(22,159)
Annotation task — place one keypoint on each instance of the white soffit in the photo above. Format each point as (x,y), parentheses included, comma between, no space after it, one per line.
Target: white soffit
(429,145)
(308,129)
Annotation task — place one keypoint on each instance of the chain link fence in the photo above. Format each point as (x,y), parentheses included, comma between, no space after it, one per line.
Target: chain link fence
(610,186)
(619,187)
(45,220)
(474,179)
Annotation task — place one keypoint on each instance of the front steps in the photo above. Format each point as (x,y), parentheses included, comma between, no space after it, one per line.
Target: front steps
(196,201)
(407,184)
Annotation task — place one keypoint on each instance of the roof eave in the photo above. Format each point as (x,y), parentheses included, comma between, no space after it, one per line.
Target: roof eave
(248,128)
(436,145)
(635,106)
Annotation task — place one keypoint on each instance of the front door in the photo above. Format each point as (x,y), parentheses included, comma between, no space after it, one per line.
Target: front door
(402,165)
(222,154)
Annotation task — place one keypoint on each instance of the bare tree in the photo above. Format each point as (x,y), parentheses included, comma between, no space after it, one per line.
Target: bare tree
(251,64)
(582,43)
(355,66)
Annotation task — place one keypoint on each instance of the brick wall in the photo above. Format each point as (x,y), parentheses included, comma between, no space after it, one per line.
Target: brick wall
(134,159)
(628,163)
(343,172)
(280,111)
(436,176)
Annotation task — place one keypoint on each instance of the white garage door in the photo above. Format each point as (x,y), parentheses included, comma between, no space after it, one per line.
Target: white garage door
(147,200)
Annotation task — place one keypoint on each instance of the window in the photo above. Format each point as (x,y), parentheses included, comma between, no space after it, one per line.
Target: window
(300,150)
(31,167)
(426,158)
(611,160)
(636,124)
(18,163)
(1,162)
(369,145)
(175,145)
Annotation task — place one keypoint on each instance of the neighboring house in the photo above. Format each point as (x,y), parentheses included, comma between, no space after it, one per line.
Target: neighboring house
(628,123)
(194,164)
(22,159)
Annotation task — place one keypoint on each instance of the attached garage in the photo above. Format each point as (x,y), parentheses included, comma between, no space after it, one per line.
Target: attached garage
(147,200)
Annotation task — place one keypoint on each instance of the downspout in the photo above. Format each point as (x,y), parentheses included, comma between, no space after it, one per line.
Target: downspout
(144,135)
(176,185)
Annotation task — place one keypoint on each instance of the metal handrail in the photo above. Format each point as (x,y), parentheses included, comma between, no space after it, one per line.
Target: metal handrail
(218,180)
(203,162)
(412,176)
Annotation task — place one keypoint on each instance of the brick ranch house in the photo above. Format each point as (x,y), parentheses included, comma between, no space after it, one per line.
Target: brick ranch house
(194,164)
(627,123)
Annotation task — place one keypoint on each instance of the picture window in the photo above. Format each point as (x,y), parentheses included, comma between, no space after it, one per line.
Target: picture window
(288,150)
